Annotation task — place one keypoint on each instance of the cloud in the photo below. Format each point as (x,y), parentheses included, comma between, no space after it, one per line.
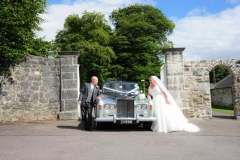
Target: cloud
(57,13)
(204,35)
(208,36)
(232,1)
(197,12)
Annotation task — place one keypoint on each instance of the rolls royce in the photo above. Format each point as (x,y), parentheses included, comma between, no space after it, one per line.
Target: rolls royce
(122,102)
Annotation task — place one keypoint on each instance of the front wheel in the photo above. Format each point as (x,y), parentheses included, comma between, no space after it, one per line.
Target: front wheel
(147,125)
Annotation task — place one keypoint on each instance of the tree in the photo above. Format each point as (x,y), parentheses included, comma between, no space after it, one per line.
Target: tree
(19,21)
(218,73)
(140,35)
(90,35)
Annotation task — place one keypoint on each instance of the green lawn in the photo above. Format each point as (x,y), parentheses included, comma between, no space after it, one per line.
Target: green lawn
(223,110)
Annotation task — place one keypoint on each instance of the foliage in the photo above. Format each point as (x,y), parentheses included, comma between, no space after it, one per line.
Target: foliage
(90,35)
(140,35)
(19,21)
(220,73)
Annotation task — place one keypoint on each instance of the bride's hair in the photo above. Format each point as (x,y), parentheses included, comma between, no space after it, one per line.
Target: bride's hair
(152,77)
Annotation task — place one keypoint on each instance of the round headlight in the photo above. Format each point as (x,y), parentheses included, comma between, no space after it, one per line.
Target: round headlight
(112,107)
(106,106)
(138,106)
(144,106)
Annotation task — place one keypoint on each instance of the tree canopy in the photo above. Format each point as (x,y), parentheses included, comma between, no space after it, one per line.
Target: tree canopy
(130,51)
(218,73)
(91,35)
(140,35)
(19,21)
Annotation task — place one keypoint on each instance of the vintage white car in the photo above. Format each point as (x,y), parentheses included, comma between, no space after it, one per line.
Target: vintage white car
(123,103)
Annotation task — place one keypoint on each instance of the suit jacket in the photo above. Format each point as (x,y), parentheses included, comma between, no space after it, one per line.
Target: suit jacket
(84,94)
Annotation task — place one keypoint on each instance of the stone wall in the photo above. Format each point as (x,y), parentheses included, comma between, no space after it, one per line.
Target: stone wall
(45,89)
(69,85)
(32,91)
(236,92)
(196,92)
(174,74)
(41,89)
(189,82)
(222,97)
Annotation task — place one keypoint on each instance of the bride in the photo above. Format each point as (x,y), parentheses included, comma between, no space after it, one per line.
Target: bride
(169,116)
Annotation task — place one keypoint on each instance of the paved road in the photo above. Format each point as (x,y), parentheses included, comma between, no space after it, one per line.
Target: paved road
(219,139)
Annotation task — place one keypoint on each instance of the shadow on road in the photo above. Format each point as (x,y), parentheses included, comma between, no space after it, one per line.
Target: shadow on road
(79,127)
(224,116)
(107,127)
(113,127)
(219,115)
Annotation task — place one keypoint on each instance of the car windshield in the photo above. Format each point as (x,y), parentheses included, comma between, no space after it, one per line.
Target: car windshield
(120,87)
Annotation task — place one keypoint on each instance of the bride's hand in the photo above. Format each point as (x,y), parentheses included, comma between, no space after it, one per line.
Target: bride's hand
(167,101)
(149,97)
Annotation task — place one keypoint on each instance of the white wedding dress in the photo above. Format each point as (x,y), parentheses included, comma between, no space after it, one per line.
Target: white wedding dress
(169,116)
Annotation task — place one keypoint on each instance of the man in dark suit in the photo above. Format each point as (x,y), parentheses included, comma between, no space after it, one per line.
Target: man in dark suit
(87,100)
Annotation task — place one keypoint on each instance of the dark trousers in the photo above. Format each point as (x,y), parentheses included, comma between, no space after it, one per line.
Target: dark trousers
(86,110)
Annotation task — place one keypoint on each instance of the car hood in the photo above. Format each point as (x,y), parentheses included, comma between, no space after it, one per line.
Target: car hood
(113,99)
(108,99)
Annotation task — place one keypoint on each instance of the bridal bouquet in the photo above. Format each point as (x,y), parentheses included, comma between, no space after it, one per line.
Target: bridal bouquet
(142,96)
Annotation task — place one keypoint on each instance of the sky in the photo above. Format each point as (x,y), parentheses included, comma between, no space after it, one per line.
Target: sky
(207,29)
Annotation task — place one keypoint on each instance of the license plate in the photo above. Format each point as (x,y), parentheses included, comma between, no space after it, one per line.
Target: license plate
(126,122)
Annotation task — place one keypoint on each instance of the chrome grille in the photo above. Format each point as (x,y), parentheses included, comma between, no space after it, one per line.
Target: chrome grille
(125,107)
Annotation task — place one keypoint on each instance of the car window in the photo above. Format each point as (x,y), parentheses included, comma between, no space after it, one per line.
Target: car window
(120,86)
(129,86)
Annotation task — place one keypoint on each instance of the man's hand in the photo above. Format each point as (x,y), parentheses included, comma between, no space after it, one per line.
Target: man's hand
(98,98)
(79,102)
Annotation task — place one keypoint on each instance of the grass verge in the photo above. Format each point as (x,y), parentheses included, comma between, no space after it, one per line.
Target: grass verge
(223,110)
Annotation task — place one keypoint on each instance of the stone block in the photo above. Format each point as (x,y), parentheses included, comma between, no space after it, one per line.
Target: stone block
(68,115)
(53,100)
(76,75)
(68,69)
(185,111)
(44,69)
(75,60)
(44,88)
(66,61)
(36,84)
(69,84)
(62,105)
(25,84)
(54,68)
(35,97)
(43,100)
(33,88)
(67,75)
(71,105)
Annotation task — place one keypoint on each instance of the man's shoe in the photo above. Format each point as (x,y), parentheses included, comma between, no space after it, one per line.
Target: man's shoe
(85,129)
(90,129)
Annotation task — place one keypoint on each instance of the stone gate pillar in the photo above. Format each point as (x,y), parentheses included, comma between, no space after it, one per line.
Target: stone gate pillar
(236,101)
(174,72)
(69,85)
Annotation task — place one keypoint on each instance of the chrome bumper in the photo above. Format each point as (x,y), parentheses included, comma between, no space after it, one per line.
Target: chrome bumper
(114,119)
